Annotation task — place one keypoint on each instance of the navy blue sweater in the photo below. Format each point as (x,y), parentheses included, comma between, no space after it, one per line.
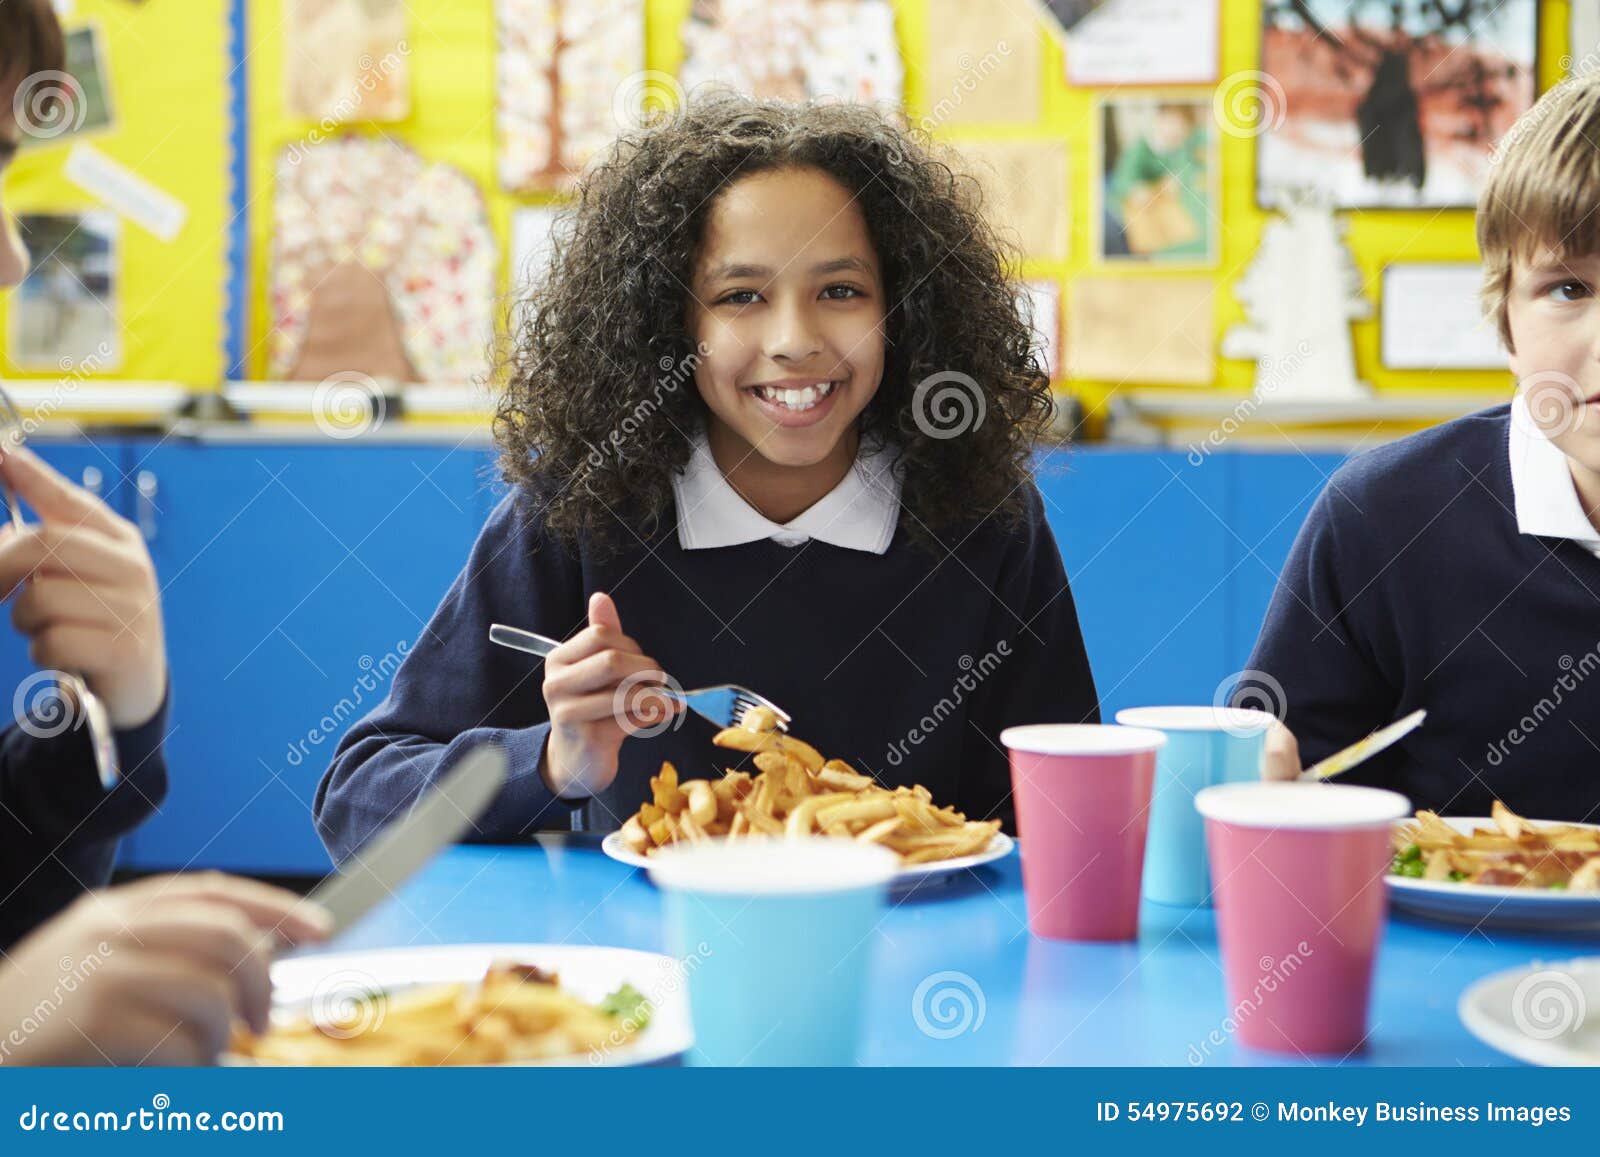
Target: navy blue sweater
(1410,586)
(58,827)
(906,665)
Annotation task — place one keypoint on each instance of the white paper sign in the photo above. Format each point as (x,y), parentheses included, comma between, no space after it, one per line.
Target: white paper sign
(125,191)
(1432,320)
(1146,42)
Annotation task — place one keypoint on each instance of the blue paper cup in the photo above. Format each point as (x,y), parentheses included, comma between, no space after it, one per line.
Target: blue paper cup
(1205,746)
(779,934)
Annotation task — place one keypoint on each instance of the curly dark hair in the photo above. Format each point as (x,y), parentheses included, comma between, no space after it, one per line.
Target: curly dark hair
(601,343)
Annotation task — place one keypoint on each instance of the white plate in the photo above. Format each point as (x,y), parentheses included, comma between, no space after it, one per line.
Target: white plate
(1545,1014)
(905,879)
(1491,906)
(588,972)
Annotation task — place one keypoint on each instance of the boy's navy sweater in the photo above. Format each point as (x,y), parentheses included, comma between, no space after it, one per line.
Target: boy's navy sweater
(1410,586)
(906,665)
(58,827)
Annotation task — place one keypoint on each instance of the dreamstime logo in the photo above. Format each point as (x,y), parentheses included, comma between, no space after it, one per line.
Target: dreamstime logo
(673,373)
(1555,401)
(673,975)
(49,104)
(1548,1004)
(73,974)
(972,674)
(1271,378)
(1572,674)
(644,98)
(1272,973)
(374,675)
(947,404)
(42,709)
(948,1004)
(348,1003)
(1249,103)
(347,404)
(345,107)
(973,73)
(640,697)
(1243,691)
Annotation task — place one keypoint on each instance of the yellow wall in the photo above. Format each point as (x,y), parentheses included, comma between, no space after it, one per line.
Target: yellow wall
(169,75)
(168,67)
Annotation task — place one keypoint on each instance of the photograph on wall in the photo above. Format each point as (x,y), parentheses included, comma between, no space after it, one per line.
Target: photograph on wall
(64,314)
(1392,105)
(50,107)
(1158,182)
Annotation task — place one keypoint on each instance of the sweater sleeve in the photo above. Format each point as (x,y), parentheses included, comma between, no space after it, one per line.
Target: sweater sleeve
(455,690)
(1034,669)
(1321,659)
(59,826)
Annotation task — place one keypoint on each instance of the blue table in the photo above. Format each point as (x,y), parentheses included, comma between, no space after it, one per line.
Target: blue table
(1157,1001)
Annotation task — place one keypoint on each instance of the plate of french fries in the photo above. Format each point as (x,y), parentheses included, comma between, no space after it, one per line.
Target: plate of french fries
(473,1004)
(1501,870)
(796,792)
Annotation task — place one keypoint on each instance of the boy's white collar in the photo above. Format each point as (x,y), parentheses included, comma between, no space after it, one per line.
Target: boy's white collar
(858,514)
(1541,484)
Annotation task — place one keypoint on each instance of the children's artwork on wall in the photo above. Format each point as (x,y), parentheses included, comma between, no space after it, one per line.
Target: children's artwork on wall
(795,49)
(1142,330)
(1300,294)
(347,60)
(983,66)
(1040,305)
(1395,104)
(1432,319)
(1025,192)
(382,264)
(64,314)
(1132,42)
(1158,181)
(569,77)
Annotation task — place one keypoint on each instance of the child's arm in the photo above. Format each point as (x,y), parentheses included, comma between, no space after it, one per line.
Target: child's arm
(1320,662)
(1038,669)
(455,690)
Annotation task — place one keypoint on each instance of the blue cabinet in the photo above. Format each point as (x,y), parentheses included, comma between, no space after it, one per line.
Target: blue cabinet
(1144,537)
(295,577)
(1270,496)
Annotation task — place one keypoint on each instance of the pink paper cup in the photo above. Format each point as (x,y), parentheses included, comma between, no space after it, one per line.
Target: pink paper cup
(1082,793)
(1299,870)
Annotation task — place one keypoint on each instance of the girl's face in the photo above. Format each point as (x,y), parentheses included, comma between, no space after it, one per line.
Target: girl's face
(787,300)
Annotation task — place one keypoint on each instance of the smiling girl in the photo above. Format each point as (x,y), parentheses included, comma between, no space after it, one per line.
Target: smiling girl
(769,422)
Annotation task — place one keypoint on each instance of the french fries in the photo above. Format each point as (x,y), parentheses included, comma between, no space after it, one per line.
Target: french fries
(515,1013)
(797,793)
(1514,853)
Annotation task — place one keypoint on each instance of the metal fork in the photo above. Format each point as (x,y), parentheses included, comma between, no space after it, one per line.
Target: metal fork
(723,704)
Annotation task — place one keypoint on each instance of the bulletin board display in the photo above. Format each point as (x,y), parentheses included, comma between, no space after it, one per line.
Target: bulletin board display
(123,201)
(1064,132)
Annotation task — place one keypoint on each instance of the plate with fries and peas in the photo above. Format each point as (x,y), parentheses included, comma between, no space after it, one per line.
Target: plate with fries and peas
(1502,870)
(796,792)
